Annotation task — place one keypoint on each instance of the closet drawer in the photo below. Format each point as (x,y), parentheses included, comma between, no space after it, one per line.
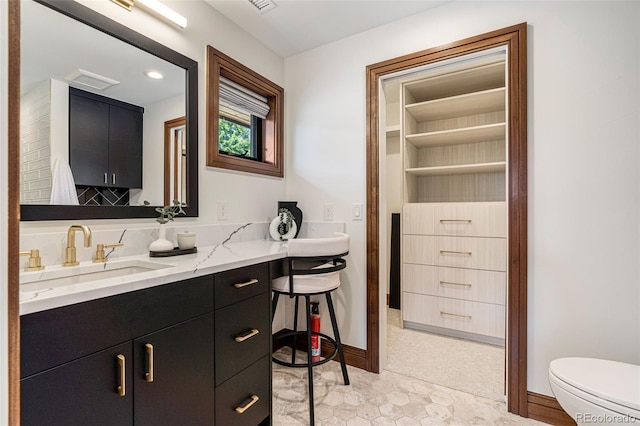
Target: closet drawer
(467,252)
(471,317)
(239,321)
(462,219)
(238,392)
(455,283)
(240,284)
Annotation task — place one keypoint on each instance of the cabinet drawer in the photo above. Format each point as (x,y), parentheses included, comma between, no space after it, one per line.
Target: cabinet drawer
(237,321)
(242,283)
(237,392)
(455,283)
(471,317)
(459,252)
(462,219)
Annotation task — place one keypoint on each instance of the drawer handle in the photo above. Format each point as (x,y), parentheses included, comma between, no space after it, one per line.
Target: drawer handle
(250,282)
(254,399)
(467,253)
(455,220)
(249,335)
(121,367)
(148,376)
(452,283)
(455,315)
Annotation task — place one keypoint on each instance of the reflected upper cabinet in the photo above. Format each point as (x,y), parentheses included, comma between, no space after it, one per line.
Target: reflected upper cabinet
(128,141)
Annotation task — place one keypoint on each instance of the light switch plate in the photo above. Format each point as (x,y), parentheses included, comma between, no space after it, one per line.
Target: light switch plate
(223,210)
(357,211)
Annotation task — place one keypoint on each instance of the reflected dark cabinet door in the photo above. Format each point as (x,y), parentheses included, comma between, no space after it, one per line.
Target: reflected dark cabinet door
(180,389)
(105,141)
(81,392)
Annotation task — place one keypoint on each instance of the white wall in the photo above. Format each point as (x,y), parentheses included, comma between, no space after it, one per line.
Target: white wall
(584,210)
(4,323)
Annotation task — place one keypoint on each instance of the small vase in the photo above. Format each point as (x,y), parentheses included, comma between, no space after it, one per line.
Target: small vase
(161,244)
(292,206)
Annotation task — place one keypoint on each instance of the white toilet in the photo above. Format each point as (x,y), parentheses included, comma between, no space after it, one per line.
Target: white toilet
(597,391)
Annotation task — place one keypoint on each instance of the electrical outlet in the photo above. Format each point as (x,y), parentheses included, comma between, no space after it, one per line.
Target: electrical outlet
(328,212)
(223,210)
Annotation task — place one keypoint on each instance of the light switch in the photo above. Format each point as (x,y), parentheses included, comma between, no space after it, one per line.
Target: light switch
(357,211)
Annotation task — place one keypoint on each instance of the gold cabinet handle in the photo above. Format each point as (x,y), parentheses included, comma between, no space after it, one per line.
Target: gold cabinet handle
(455,220)
(452,283)
(254,399)
(455,315)
(467,253)
(249,335)
(148,376)
(250,282)
(121,367)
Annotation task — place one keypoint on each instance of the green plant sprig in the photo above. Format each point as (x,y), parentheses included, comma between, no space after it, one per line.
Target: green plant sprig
(167,213)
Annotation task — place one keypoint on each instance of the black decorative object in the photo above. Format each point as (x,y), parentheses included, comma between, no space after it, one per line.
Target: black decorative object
(292,206)
(177,251)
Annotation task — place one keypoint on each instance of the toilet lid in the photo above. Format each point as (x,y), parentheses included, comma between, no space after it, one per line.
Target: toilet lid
(612,381)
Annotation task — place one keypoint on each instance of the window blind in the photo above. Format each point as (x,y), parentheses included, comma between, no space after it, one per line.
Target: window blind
(243,98)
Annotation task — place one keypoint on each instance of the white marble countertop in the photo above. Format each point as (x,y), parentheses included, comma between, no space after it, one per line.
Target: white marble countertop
(207,260)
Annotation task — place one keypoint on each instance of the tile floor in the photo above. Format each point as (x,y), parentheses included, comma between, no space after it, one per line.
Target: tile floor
(378,399)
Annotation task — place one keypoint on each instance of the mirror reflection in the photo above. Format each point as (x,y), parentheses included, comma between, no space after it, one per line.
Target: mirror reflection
(92,118)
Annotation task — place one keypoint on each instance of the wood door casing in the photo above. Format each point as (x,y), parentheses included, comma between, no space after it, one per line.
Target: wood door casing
(515,38)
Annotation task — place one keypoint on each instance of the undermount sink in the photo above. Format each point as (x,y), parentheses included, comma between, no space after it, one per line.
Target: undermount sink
(58,276)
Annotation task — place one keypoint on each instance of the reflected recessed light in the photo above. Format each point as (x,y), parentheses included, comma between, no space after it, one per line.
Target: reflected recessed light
(154,74)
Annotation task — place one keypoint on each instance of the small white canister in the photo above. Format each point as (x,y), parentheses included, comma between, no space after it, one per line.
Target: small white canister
(186,240)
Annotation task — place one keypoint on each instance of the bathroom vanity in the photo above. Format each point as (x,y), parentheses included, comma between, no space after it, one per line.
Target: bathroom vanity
(188,344)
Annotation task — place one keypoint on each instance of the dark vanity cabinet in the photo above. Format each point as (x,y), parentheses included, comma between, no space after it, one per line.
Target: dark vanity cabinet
(105,141)
(193,352)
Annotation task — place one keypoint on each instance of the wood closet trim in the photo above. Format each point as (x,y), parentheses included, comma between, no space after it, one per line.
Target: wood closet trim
(515,37)
(13,210)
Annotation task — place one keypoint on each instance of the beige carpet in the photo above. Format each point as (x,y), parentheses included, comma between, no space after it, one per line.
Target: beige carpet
(464,365)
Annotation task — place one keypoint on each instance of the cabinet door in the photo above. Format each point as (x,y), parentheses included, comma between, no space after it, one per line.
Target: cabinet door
(180,390)
(88,140)
(81,392)
(125,147)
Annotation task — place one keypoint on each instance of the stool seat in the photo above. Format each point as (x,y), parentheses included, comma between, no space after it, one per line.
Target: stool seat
(308,284)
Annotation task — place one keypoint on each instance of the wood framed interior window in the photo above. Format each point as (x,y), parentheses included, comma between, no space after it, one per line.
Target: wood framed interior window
(265,147)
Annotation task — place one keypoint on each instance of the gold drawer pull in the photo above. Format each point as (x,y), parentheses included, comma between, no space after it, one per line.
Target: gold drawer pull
(250,282)
(455,220)
(452,283)
(455,315)
(254,399)
(249,335)
(468,253)
(121,367)
(148,376)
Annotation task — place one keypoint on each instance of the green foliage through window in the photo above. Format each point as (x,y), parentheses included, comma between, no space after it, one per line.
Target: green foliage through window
(234,138)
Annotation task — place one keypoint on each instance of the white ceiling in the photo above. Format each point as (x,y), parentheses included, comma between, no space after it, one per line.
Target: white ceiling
(295,26)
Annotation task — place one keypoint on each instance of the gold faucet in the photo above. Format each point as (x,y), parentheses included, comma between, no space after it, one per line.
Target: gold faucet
(35,262)
(70,251)
(100,256)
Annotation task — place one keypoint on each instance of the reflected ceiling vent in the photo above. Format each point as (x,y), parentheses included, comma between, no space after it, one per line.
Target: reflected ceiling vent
(90,79)
(263,5)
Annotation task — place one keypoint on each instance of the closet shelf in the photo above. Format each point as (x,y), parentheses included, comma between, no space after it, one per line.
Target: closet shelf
(459,169)
(393,131)
(488,132)
(457,106)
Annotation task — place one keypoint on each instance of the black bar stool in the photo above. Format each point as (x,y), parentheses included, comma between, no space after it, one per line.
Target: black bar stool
(314,269)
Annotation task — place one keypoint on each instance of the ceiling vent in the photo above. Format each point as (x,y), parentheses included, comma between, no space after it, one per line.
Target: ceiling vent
(263,5)
(90,79)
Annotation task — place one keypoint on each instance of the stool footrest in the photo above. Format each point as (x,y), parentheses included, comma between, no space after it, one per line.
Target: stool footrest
(305,364)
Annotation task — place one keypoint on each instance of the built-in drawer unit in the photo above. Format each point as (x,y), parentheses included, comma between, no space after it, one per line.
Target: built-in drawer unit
(242,283)
(468,252)
(460,219)
(455,283)
(463,315)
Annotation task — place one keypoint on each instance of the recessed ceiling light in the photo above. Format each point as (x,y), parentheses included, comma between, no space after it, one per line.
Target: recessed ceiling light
(154,74)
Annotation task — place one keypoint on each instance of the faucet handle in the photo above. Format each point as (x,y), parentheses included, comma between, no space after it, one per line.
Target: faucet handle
(100,256)
(35,262)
